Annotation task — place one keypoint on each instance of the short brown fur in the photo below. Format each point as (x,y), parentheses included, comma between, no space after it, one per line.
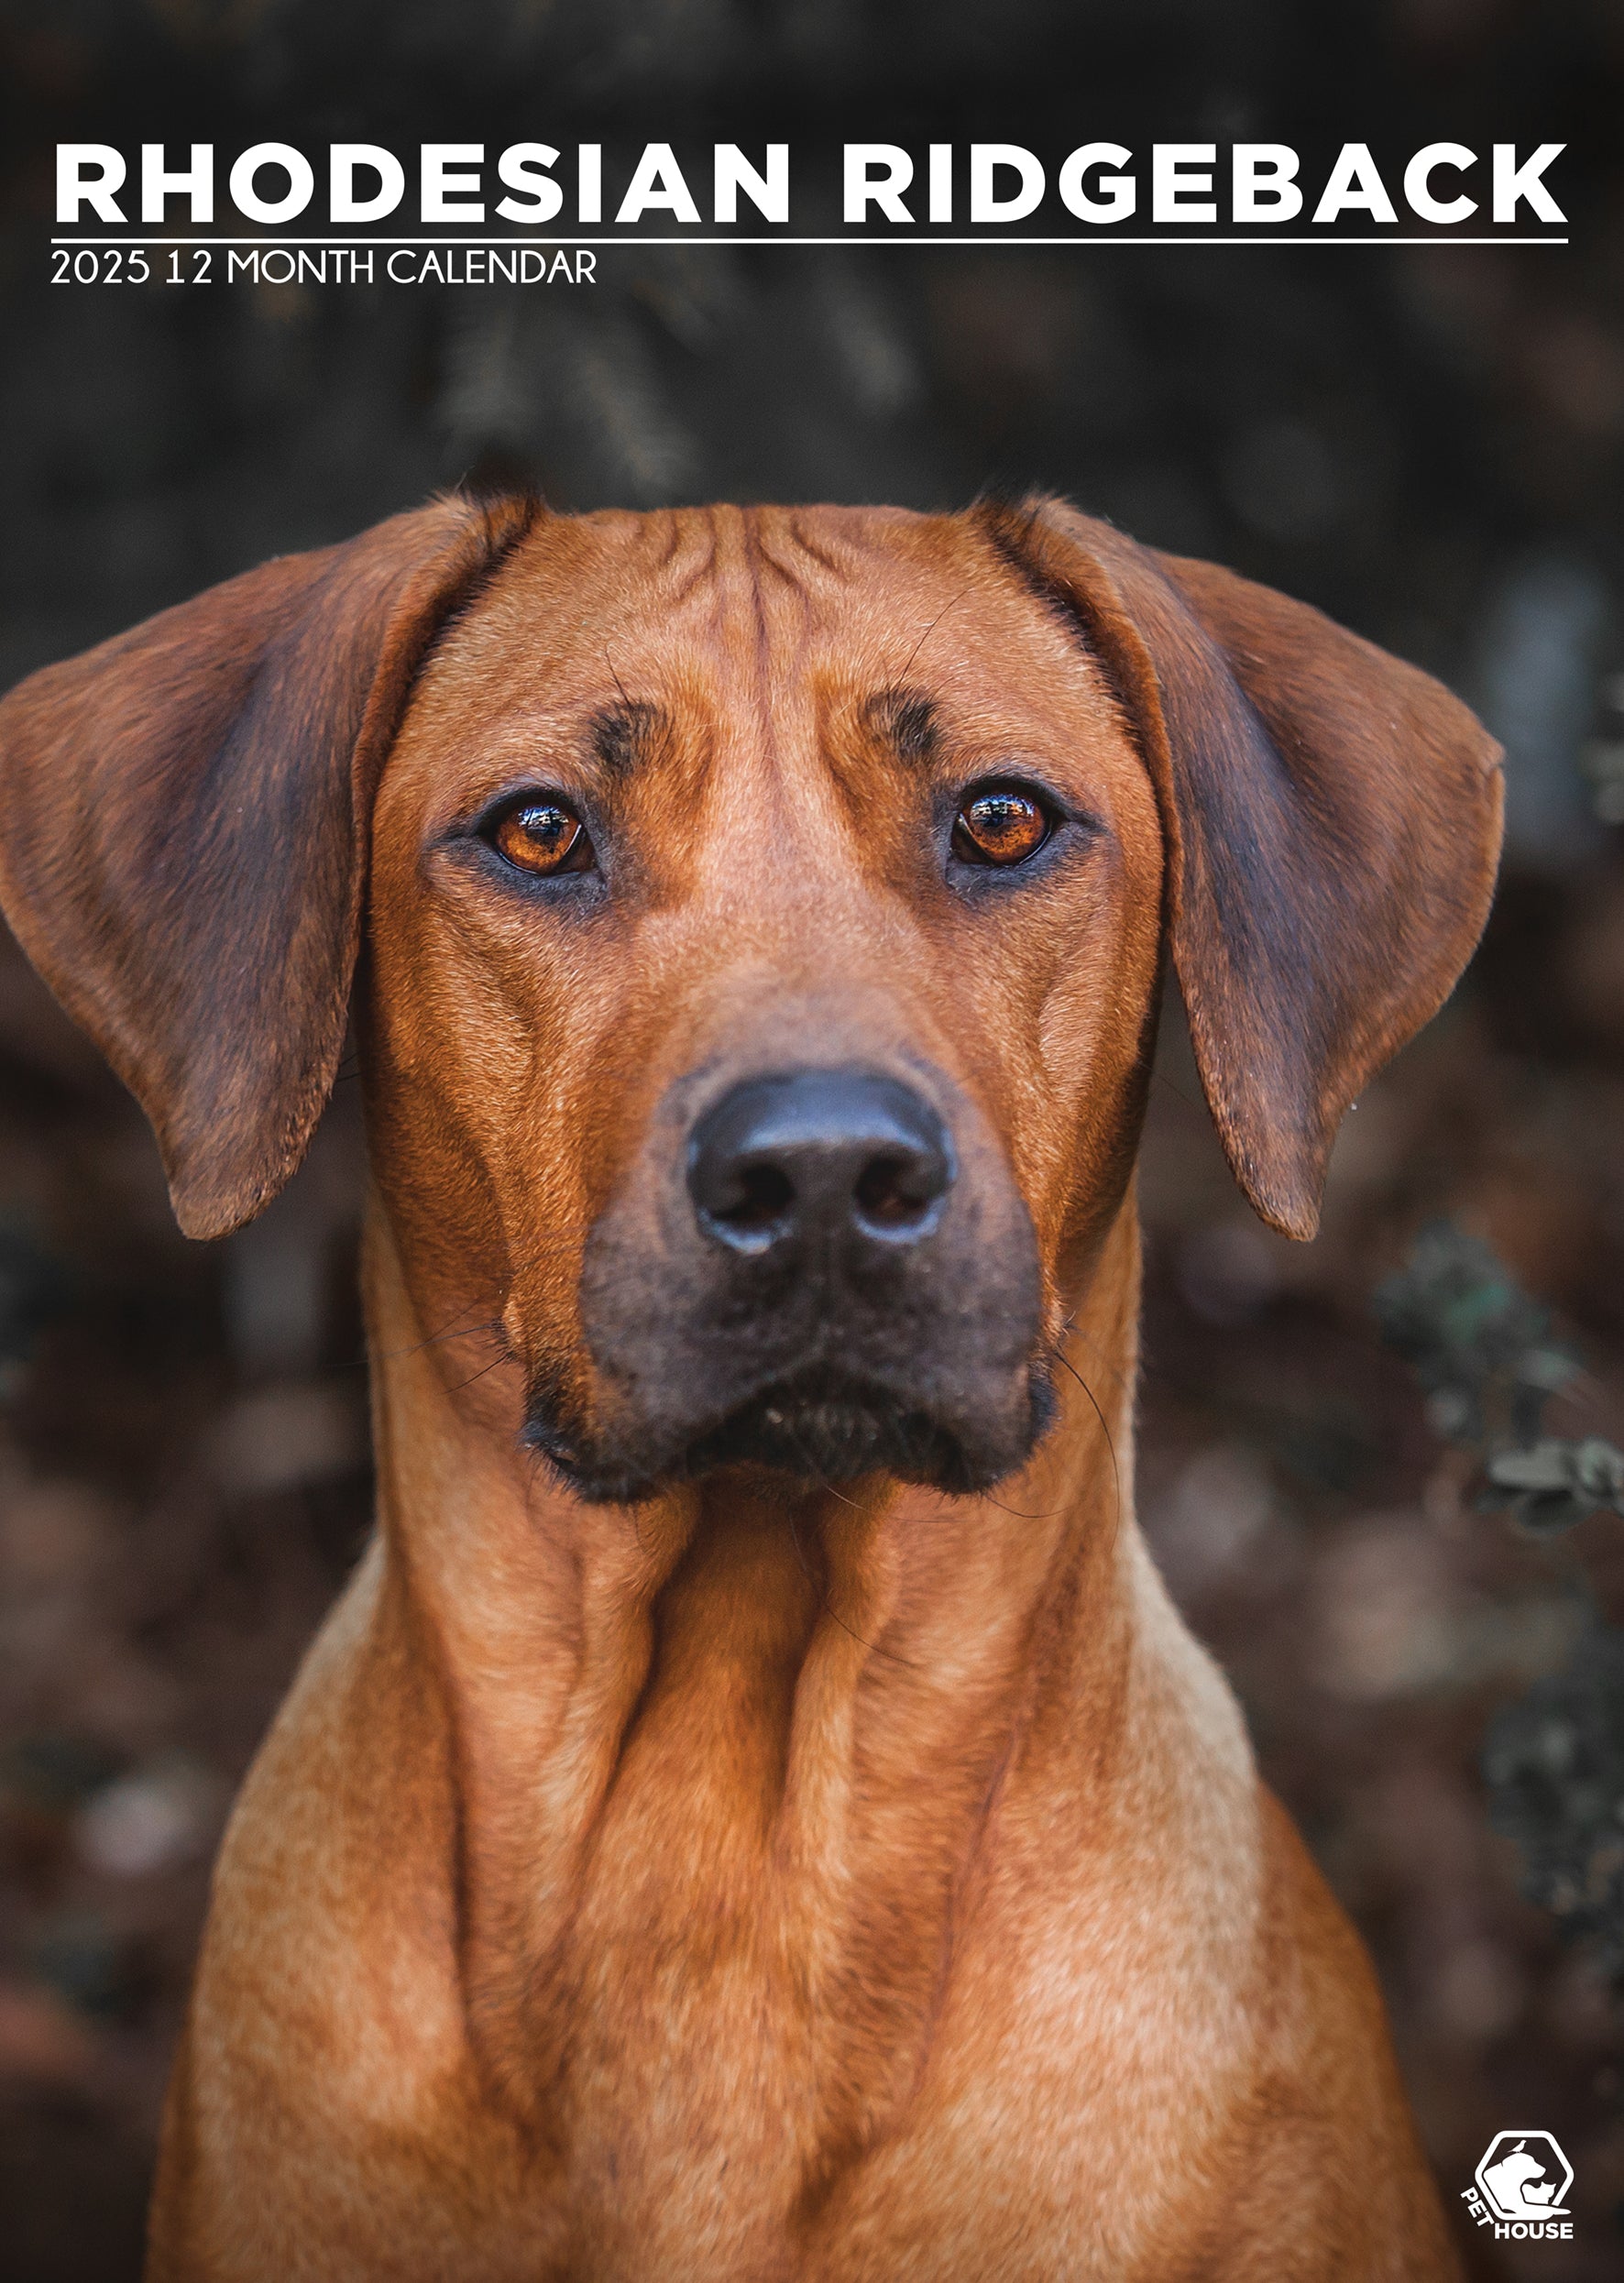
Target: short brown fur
(765,1879)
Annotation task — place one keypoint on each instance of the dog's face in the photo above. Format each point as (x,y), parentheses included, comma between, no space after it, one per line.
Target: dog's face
(763,935)
(763,914)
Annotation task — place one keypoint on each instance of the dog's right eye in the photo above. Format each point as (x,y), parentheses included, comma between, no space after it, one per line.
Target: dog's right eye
(542,835)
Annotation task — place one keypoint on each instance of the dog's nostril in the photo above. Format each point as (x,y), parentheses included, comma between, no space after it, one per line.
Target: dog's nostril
(895,1192)
(765,1195)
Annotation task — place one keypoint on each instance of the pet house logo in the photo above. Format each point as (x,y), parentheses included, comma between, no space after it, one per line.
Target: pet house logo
(1521,2182)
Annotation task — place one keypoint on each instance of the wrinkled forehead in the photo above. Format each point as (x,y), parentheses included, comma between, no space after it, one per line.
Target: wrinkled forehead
(768,613)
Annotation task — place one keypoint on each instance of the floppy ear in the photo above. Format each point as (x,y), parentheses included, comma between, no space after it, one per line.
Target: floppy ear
(1333,822)
(182,847)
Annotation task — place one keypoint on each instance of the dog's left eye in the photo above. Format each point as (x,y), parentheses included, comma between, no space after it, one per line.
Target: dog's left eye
(999,824)
(542,835)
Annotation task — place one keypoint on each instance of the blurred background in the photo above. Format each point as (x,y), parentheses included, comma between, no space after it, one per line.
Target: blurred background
(1428,443)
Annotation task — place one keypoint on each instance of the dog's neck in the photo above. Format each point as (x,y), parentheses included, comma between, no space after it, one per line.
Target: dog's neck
(728,1759)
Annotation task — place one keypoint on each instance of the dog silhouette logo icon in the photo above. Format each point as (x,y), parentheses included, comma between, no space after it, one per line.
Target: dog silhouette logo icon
(1522,2183)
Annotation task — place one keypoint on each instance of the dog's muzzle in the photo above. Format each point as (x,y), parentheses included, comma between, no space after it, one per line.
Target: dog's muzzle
(809,1273)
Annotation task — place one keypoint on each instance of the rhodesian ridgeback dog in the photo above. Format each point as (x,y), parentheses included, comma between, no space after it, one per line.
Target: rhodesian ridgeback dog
(755,1813)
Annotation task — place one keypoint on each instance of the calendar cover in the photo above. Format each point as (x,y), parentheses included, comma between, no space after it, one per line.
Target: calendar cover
(934,681)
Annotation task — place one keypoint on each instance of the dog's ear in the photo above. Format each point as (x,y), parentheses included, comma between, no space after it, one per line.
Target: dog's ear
(182,835)
(1333,822)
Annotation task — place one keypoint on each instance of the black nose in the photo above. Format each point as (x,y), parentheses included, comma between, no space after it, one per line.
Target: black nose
(819,1156)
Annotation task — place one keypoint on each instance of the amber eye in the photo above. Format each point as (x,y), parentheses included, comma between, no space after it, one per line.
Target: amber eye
(999,825)
(540,835)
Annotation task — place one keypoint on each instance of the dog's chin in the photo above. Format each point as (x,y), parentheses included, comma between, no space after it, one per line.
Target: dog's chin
(816,1430)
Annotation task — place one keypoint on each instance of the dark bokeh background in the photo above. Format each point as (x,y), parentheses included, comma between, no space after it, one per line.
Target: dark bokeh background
(1425,442)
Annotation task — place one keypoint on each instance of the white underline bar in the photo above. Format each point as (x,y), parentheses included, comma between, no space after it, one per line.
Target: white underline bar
(905,237)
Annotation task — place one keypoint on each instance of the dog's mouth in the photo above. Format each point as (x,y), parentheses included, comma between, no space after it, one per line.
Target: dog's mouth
(819,1426)
(824,1426)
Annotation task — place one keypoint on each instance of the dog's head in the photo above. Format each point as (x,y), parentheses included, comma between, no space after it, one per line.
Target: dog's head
(760,918)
